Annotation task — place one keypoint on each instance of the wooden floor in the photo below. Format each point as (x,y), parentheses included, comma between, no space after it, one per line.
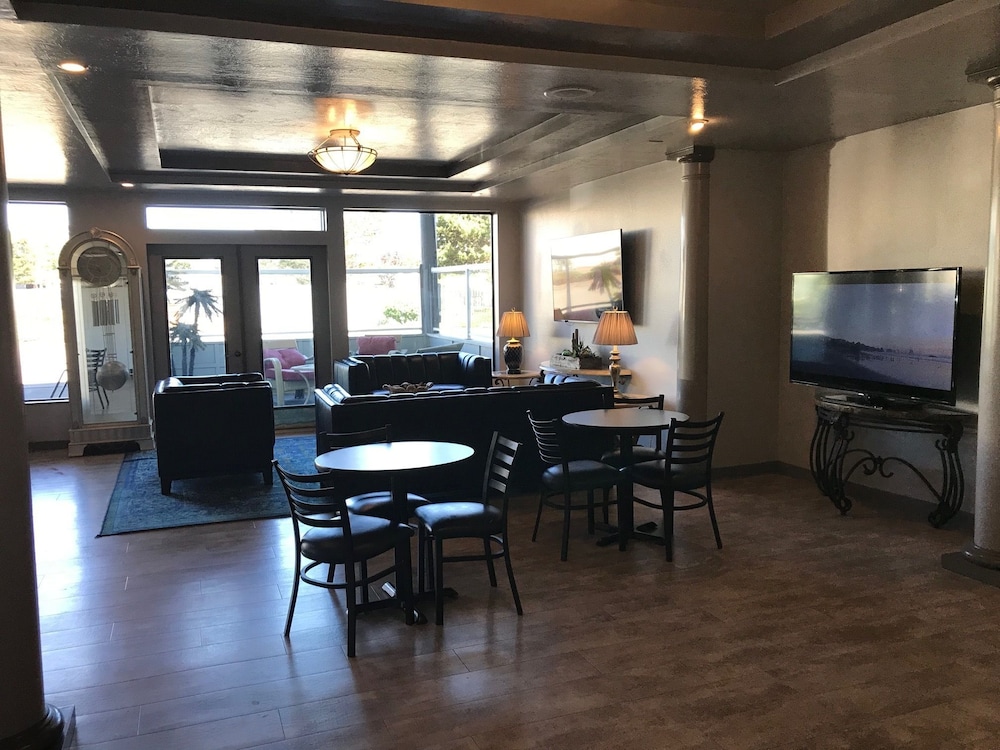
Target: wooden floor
(808,630)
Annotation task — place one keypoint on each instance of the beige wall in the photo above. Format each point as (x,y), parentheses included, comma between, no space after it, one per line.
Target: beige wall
(913,195)
(645,204)
(744,302)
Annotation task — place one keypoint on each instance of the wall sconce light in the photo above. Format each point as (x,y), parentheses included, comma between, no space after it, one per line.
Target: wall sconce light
(697,124)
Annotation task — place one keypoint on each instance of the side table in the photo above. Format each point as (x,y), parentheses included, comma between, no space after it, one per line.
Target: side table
(502,377)
(833,457)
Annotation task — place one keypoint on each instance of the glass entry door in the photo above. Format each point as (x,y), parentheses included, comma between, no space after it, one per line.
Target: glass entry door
(242,308)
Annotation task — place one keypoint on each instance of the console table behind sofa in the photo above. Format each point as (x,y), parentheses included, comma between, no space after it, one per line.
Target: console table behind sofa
(468,417)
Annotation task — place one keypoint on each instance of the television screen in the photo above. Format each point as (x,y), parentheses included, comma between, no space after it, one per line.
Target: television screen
(587,276)
(878,333)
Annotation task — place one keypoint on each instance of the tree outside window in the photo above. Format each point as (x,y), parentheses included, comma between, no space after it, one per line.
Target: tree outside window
(38,231)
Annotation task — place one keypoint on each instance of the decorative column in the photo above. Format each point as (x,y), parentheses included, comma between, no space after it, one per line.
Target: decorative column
(26,722)
(692,344)
(981,558)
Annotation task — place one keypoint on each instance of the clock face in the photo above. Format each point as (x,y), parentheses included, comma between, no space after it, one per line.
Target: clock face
(100,264)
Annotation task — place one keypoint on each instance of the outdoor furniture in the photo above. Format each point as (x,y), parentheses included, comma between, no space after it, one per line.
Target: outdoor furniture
(290,373)
(376,344)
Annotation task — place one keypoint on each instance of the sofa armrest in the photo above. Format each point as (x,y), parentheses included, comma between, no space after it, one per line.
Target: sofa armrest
(477,370)
(352,375)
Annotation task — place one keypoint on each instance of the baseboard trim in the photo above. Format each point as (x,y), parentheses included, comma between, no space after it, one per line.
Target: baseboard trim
(873,496)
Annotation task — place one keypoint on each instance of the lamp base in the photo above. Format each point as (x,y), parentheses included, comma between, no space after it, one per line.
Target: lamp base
(512,354)
(615,369)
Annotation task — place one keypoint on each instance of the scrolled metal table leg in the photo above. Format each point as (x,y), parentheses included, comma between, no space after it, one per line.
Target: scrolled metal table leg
(829,445)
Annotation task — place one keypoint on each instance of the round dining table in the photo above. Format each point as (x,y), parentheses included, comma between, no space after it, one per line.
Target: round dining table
(627,424)
(400,460)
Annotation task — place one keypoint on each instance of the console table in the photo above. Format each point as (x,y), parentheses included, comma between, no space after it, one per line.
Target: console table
(833,460)
(597,373)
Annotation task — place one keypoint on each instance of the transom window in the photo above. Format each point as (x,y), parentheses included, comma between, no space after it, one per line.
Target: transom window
(236,218)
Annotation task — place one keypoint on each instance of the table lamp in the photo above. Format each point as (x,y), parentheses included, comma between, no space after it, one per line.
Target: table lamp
(615,328)
(513,325)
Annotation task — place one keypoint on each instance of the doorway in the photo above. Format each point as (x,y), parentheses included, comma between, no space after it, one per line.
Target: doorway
(242,308)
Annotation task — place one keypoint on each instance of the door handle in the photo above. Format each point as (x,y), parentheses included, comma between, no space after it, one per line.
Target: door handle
(237,354)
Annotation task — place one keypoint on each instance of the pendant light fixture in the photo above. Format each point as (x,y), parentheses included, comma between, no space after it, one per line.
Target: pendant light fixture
(342,153)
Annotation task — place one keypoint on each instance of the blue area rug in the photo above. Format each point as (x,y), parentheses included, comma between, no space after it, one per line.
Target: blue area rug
(137,505)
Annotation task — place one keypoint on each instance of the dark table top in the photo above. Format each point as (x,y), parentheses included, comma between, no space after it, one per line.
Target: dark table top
(624,420)
(400,455)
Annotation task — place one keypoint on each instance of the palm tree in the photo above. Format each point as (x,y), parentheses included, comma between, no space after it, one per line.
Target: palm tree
(187,336)
(200,301)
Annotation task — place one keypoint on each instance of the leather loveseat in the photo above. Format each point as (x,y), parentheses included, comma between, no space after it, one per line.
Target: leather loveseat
(469,417)
(363,373)
(208,426)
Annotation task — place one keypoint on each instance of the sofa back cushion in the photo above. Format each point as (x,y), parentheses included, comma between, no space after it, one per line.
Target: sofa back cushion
(470,417)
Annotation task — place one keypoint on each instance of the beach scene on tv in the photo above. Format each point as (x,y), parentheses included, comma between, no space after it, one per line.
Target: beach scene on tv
(587,276)
(897,333)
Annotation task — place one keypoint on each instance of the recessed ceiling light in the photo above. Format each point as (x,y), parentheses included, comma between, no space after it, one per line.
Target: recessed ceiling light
(127,184)
(72,66)
(696,125)
(569,93)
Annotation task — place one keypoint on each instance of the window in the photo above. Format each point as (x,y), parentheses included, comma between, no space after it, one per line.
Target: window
(37,233)
(239,218)
(420,273)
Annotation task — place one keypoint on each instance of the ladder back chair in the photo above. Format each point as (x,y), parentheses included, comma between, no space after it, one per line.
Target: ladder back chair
(327,534)
(688,471)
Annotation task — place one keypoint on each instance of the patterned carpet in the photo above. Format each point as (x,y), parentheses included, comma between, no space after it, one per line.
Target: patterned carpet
(137,505)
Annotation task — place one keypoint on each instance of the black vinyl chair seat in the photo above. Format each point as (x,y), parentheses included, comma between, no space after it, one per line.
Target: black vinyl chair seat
(380,504)
(579,473)
(370,537)
(682,478)
(640,454)
(456,520)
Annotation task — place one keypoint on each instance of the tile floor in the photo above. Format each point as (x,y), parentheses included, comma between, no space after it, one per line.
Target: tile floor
(808,630)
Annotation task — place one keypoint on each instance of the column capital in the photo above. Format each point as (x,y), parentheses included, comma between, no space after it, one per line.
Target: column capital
(693,153)
(990,76)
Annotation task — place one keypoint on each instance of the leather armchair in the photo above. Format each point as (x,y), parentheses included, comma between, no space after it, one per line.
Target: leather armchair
(208,426)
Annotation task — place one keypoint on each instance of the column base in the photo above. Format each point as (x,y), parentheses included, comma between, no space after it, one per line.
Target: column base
(974,562)
(51,732)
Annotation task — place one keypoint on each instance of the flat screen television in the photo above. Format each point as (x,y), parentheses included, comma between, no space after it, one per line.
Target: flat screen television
(587,276)
(881,334)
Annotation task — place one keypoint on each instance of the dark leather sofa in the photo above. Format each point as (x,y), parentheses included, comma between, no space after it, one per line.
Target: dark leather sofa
(368,373)
(208,426)
(469,417)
